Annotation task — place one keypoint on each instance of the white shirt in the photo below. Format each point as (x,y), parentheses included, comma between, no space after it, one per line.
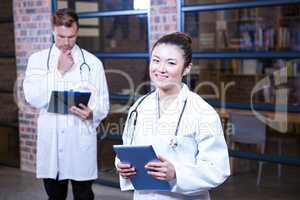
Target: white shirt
(66,145)
(201,156)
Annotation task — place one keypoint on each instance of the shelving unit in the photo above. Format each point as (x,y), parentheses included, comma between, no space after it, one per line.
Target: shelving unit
(246,39)
(241,45)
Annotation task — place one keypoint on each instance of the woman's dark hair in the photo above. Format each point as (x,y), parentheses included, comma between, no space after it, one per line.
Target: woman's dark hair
(65,17)
(180,39)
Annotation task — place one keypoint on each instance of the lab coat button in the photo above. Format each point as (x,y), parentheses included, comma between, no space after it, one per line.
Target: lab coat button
(60,150)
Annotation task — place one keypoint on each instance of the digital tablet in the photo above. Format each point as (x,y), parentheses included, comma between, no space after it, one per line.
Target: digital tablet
(139,156)
(62,101)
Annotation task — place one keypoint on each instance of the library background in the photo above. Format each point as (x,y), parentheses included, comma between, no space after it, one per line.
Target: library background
(245,63)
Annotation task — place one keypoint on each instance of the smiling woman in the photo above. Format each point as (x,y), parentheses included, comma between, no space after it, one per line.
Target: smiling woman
(178,124)
(170,61)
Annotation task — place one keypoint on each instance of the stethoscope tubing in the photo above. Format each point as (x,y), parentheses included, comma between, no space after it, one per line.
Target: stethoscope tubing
(173,141)
(136,114)
(81,66)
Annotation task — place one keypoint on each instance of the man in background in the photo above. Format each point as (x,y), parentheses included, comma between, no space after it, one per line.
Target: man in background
(67,142)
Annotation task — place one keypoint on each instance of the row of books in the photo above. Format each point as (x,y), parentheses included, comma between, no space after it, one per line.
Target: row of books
(259,39)
(288,68)
(270,38)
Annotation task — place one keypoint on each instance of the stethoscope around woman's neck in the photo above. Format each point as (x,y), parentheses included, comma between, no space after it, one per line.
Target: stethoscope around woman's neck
(84,64)
(134,112)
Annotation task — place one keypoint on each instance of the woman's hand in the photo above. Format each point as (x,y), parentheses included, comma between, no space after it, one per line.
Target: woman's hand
(163,170)
(125,170)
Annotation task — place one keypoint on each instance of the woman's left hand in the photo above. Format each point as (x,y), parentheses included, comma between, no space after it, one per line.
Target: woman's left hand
(163,170)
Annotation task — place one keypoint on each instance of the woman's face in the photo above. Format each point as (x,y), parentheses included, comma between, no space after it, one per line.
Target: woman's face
(166,67)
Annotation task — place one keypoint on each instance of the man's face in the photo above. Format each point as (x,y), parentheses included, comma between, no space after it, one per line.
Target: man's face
(65,37)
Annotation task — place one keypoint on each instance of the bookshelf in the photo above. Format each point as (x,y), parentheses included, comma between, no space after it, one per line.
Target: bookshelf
(248,33)
(248,63)
(247,29)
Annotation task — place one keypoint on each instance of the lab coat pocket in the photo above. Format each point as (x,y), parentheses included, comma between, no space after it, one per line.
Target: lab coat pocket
(46,129)
(187,146)
(87,141)
(87,137)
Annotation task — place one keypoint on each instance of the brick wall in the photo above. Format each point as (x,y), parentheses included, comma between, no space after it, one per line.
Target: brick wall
(163,18)
(32,33)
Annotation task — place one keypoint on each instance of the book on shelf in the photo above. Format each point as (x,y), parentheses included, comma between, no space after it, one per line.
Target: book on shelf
(249,66)
(283,38)
(207,40)
(268,38)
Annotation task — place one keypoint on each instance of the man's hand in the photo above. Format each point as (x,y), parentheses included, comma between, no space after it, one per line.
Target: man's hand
(84,112)
(65,61)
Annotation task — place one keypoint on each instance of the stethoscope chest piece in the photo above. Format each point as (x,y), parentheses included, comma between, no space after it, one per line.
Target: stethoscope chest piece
(173,143)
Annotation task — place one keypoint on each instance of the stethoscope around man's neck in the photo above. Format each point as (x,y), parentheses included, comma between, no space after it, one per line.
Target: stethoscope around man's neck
(84,64)
(134,112)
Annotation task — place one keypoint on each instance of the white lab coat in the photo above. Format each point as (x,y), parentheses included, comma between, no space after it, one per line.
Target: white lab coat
(66,145)
(201,157)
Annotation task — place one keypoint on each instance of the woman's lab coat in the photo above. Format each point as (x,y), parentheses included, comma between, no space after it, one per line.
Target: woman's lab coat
(66,145)
(200,158)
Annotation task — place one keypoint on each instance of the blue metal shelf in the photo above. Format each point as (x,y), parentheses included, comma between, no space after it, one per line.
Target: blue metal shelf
(256,106)
(112,13)
(103,13)
(247,55)
(237,5)
(218,104)
(265,157)
(124,55)
(53,6)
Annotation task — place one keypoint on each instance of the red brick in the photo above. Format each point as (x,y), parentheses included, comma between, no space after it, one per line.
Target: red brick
(32,33)
(167,10)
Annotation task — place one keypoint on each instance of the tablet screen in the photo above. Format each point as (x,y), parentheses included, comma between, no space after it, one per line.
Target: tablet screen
(62,101)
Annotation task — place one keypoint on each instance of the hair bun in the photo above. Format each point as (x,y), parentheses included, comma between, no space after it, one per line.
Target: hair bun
(184,36)
(181,40)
